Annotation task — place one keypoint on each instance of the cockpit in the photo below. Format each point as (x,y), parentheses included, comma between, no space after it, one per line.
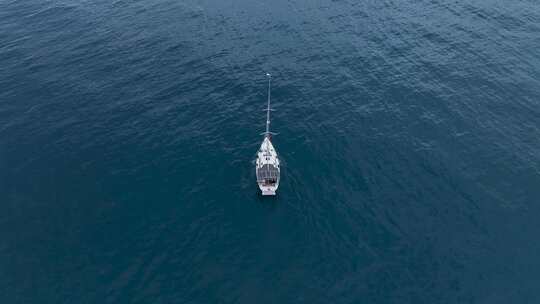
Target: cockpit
(268,175)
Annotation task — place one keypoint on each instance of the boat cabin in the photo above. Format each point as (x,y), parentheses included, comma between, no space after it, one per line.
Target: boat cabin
(268,175)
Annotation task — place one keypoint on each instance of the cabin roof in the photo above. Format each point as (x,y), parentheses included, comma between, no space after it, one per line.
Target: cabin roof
(267,171)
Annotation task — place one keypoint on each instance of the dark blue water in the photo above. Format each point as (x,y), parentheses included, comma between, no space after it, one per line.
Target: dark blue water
(409,133)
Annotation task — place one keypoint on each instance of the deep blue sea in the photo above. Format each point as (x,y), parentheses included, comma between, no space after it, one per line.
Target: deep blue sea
(409,133)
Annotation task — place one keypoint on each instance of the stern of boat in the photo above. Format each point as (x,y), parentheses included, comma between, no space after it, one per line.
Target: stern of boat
(268,190)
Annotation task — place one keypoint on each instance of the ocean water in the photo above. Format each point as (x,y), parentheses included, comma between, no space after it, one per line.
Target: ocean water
(409,133)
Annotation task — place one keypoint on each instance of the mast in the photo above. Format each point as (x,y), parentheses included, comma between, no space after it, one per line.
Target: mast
(267,133)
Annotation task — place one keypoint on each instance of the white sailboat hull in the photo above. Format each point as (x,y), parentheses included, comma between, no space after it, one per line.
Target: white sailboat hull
(267,168)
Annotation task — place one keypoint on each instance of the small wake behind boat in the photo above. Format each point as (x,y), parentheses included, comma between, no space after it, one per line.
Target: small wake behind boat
(267,164)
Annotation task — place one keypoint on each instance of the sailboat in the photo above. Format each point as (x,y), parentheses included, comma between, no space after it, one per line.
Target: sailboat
(267,163)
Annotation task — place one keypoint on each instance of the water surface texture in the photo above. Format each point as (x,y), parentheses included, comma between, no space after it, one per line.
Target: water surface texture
(409,133)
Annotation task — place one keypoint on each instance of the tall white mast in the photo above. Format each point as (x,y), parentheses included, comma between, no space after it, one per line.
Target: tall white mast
(267,133)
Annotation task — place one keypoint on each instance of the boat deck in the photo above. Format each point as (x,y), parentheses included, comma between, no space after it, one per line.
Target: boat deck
(267,173)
